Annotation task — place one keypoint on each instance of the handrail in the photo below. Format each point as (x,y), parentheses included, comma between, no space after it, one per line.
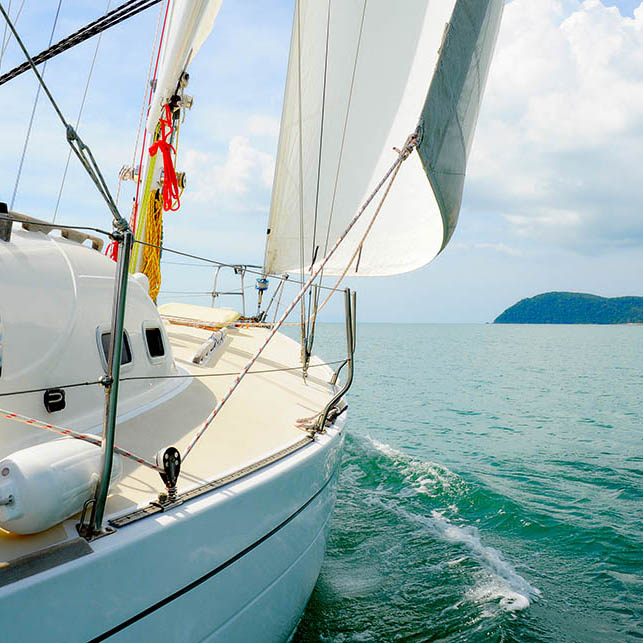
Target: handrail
(350,303)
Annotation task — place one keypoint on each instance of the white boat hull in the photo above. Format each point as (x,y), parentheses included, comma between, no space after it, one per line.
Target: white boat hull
(236,564)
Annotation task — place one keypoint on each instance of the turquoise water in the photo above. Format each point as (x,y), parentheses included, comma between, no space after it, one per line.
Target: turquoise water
(491,487)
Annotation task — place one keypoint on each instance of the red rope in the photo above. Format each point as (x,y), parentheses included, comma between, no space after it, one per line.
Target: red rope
(171,195)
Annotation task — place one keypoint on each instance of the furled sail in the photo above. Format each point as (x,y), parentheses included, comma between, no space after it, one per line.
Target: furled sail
(357,82)
(187,25)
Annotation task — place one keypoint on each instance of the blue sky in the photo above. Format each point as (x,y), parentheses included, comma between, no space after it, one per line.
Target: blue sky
(553,196)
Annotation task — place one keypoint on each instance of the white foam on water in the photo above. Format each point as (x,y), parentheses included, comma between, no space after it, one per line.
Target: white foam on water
(500,583)
(423,476)
(503,582)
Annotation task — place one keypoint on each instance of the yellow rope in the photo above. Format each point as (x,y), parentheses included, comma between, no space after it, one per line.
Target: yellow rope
(153,236)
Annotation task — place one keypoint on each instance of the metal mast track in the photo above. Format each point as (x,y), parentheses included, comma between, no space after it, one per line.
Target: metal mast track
(111,18)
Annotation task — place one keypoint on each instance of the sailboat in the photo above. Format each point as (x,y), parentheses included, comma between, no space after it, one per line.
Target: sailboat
(170,471)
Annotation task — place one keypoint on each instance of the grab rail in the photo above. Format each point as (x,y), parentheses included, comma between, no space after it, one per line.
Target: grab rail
(350,304)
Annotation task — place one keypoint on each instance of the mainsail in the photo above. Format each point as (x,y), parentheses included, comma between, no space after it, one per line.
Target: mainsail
(357,79)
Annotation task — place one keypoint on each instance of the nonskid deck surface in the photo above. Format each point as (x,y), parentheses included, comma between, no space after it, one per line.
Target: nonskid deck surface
(258,420)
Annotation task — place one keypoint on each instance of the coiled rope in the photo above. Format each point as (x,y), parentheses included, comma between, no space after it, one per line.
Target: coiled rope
(154,237)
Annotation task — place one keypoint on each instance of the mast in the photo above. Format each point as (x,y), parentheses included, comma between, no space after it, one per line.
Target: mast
(185,28)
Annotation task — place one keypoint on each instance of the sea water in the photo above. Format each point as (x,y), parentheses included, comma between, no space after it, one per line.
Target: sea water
(491,488)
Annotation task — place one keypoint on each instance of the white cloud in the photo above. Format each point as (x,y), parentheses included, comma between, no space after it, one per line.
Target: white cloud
(261,125)
(244,169)
(561,130)
(502,248)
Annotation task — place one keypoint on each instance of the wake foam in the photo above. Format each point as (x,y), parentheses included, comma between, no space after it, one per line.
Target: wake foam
(423,476)
(500,583)
(504,583)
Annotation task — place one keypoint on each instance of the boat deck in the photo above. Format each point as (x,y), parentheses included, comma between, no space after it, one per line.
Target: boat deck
(258,421)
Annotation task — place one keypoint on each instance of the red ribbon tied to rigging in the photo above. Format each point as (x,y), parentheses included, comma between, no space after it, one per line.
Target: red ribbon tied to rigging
(171,193)
(112,251)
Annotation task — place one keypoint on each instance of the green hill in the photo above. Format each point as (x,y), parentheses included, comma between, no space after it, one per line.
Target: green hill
(573,308)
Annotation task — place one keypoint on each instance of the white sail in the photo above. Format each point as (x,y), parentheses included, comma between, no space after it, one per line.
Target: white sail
(357,82)
(189,23)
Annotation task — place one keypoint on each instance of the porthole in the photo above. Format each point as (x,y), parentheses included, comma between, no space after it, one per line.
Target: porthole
(154,342)
(126,352)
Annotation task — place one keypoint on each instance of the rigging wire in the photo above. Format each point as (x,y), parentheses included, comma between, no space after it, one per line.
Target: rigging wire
(110,19)
(80,113)
(168,377)
(217,263)
(33,113)
(341,155)
(46,388)
(301,181)
(6,39)
(309,333)
(321,139)
(143,102)
(409,145)
(4,36)
(56,226)
(82,151)
(232,374)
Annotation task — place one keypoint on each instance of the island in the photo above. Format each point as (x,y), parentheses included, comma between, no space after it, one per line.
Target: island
(573,308)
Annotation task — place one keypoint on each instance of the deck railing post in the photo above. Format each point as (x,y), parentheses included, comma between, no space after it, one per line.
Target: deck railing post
(350,303)
(214,285)
(111,379)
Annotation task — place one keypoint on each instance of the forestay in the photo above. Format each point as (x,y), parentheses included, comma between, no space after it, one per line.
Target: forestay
(357,82)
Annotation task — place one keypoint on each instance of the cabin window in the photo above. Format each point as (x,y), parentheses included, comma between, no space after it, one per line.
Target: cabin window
(126,353)
(154,342)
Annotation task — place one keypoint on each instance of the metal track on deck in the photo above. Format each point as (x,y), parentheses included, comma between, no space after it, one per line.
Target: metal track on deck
(157,507)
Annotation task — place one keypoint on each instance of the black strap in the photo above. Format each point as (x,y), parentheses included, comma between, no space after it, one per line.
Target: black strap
(111,18)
